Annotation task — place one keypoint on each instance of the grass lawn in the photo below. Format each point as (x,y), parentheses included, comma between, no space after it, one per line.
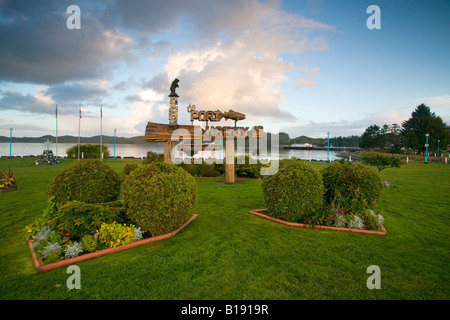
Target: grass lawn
(227,253)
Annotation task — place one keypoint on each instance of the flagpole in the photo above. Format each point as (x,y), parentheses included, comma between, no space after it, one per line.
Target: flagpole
(79,126)
(56,116)
(101,133)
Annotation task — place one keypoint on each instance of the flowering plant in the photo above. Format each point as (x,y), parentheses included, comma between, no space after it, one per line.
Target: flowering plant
(115,234)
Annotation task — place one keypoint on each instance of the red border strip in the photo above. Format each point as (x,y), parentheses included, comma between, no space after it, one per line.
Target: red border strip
(383,231)
(101,253)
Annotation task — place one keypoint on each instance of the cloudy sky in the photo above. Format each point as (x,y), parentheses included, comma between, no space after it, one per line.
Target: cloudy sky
(301,67)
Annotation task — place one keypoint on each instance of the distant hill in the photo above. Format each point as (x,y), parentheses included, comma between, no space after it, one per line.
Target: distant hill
(72,139)
(351,141)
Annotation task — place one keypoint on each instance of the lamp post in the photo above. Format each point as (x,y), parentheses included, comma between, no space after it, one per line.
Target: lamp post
(10,141)
(438,147)
(328,147)
(426,148)
(115,130)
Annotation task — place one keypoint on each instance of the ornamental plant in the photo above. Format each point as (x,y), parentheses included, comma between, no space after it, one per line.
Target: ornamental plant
(115,234)
(128,167)
(90,181)
(357,187)
(90,243)
(7,180)
(159,197)
(294,192)
(79,218)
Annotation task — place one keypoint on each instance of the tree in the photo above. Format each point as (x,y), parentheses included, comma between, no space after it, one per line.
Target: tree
(370,139)
(381,161)
(423,122)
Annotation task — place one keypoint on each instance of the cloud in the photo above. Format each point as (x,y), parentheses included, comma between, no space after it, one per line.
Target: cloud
(308,81)
(227,54)
(38,48)
(39,103)
(243,71)
(84,92)
(434,101)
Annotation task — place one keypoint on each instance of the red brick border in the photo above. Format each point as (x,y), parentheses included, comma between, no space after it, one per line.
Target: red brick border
(66,262)
(259,213)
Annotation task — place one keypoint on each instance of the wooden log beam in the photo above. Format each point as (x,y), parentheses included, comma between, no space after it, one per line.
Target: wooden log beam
(158,132)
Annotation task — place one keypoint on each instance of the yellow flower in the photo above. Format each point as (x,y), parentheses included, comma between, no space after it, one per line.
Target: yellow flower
(124,224)
(118,240)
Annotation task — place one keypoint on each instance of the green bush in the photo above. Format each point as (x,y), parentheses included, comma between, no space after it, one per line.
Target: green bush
(294,192)
(381,161)
(88,151)
(355,186)
(159,197)
(89,243)
(80,218)
(153,157)
(90,181)
(128,167)
(201,169)
(247,169)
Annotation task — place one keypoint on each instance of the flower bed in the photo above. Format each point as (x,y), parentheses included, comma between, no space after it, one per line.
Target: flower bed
(261,213)
(41,267)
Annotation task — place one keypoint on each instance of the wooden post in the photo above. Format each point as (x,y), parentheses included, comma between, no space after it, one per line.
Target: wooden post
(229,160)
(168,147)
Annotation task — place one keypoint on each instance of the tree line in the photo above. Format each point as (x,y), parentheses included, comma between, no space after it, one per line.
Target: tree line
(411,134)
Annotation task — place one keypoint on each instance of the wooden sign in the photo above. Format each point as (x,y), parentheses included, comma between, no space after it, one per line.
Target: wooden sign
(215,116)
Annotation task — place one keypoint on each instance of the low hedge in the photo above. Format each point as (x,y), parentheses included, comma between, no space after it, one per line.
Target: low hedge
(88,151)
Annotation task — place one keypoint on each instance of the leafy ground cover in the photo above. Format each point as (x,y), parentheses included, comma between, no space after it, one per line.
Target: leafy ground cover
(227,253)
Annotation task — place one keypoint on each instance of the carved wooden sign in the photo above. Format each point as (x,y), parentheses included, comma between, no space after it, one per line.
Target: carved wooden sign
(172,132)
(215,116)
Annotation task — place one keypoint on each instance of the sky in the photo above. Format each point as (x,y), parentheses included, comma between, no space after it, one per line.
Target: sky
(300,67)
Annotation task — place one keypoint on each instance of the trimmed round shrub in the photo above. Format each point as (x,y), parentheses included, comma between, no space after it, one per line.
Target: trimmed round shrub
(159,197)
(128,167)
(294,192)
(352,185)
(90,181)
(80,218)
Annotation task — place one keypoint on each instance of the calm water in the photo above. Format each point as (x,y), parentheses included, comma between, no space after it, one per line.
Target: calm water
(140,150)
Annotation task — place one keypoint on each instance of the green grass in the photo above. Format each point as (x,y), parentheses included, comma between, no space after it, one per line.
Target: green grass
(227,253)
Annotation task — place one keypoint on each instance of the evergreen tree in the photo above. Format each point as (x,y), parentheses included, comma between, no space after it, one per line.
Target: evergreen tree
(423,122)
